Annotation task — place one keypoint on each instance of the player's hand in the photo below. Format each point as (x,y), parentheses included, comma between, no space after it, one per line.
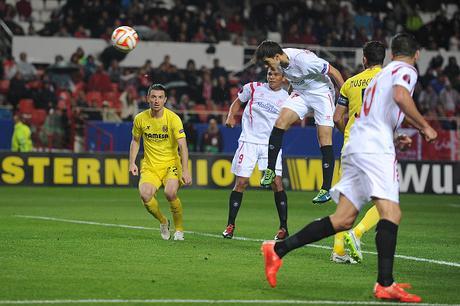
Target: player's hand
(186,178)
(133,170)
(429,133)
(403,142)
(230,122)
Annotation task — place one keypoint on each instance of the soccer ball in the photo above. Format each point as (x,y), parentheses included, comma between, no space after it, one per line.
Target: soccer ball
(124,39)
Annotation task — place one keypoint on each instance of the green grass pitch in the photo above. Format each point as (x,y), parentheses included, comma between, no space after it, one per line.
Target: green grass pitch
(55,260)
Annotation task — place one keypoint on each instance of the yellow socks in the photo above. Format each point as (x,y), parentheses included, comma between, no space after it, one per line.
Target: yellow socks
(154,209)
(339,248)
(371,219)
(176,210)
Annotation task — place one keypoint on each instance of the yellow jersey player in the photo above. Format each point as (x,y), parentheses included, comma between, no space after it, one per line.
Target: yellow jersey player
(351,99)
(163,134)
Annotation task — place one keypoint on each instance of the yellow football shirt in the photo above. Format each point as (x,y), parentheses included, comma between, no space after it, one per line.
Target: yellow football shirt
(351,95)
(160,136)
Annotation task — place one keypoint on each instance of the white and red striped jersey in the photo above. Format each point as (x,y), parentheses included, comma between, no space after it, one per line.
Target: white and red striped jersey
(262,110)
(306,71)
(380,116)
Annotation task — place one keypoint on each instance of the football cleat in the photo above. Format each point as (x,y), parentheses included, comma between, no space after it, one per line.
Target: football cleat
(395,292)
(272,262)
(178,235)
(322,197)
(342,259)
(228,233)
(164,231)
(267,178)
(282,234)
(354,244)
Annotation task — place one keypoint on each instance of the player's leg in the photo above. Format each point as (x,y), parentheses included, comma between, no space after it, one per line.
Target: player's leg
(323,106)
(243,164)
(175,205)
(147,190)
(292,110)
(353,237)
(325,142)
(341,220)
(385,240)
(234,204)
(281,206)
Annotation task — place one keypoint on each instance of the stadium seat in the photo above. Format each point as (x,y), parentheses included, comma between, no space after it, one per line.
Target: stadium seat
(38,117)
(94,98)
(26,106)
(4,86)
(111,96)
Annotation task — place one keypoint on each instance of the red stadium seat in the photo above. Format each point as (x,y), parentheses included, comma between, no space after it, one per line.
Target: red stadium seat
(26,106)
(94,98)
(4,86)
(38,117)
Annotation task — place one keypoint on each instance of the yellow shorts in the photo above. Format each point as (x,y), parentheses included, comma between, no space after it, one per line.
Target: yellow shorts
(158,175)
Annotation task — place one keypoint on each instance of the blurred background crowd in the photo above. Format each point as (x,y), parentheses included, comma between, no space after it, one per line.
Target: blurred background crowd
(71,92)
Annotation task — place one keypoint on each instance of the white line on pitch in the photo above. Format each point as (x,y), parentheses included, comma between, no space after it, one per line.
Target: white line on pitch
(190,301)
(439,262)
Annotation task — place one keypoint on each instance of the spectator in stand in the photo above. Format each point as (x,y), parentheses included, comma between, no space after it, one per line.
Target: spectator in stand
(217,71)
(211,140)
(221,92)
(450,100)
(27,70)
(24,9)
(90,67)
(17,90)
(452,70)
(53,130)
(428,99)
(191,136)
(81,32)
(109,114)
(114,71)
(79,120)
(129,108)
(308,37)
(80,100)
(44,96)
(293,35)
(100,81)
(21,140)
(206,87)
(438,83)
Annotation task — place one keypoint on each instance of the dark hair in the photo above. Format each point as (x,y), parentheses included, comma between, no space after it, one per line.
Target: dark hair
(267,48)
(374,52)
(156,87)
(404,44)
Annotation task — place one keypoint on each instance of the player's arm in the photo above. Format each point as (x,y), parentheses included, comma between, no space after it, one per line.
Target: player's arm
(183,151)
(405,102)
(335,74)
(339,121)
(133,150)
(234,108)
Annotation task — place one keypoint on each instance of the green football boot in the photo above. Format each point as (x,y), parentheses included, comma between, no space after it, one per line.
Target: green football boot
(322,197)
(267,178)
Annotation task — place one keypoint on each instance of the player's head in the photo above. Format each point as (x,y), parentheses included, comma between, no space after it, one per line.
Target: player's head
(156,96)
(404,45)
(373,53)
(275,78)
(268,52)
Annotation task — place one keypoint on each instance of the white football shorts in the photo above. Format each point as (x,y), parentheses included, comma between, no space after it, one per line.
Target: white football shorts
(365,176)
(321,103)
(248,154)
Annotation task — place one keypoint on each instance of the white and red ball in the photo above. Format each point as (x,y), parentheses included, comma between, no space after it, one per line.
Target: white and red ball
(124,39)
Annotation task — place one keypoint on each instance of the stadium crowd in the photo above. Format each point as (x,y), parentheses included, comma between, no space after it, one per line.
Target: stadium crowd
(68,93)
